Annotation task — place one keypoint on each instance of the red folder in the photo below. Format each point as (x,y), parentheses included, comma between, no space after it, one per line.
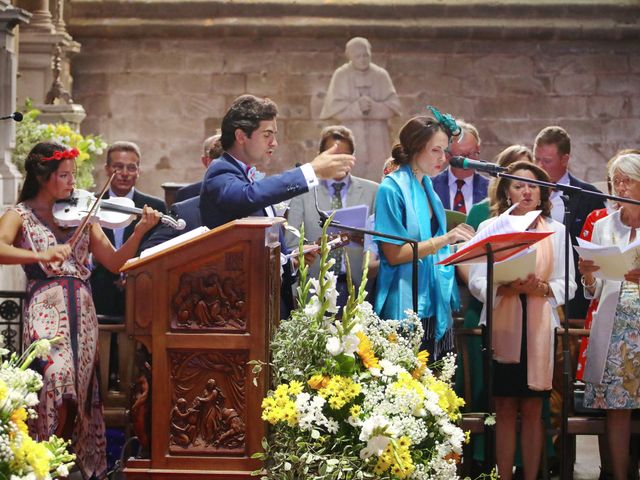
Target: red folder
(503,246)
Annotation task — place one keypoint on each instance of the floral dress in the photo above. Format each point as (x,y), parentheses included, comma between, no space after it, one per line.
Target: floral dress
(620,387)
(59,304)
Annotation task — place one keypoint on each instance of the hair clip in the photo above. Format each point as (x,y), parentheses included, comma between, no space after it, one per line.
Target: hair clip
(69,153)
(447,122)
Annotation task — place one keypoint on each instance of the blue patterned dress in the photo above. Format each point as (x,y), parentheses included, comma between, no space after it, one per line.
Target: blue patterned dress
(59,304)
(620,387)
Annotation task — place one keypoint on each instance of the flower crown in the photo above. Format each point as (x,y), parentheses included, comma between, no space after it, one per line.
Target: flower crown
(69,153)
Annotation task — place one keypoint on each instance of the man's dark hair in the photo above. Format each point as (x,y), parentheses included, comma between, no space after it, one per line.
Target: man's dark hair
(557,136)
(246,113)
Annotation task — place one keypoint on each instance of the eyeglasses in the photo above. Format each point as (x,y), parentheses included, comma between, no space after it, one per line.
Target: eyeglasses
(120,168)
(622,181)
(474,155)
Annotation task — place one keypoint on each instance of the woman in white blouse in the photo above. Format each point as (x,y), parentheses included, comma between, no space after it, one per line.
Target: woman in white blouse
(524,317)
(612,370)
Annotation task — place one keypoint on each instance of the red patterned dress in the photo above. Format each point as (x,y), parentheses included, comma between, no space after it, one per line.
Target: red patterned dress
(585,234)
(59,304)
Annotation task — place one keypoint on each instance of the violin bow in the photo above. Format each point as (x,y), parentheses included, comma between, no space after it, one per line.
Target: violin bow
(76,235)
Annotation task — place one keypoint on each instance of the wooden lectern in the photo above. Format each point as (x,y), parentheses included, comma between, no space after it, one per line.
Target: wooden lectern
(198,312)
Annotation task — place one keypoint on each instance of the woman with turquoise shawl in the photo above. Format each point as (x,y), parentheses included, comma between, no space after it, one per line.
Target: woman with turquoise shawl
(407,206)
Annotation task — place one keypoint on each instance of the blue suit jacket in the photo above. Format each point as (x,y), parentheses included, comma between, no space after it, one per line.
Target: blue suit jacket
(441,186)
(227,194)
(188,191)
(187,210)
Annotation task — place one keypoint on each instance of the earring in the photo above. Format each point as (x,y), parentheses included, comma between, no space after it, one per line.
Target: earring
(508,202)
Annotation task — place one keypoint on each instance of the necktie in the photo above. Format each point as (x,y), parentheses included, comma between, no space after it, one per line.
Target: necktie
(336,202)
(458,200)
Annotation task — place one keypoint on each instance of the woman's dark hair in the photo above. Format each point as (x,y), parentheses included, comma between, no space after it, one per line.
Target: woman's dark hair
(246,113)
(338,133)
(500,203)
(36,171)
(413,136)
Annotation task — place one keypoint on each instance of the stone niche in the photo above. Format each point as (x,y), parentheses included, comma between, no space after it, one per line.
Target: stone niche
(162,73)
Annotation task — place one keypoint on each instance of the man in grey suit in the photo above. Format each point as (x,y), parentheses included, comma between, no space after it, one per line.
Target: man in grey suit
(346,191)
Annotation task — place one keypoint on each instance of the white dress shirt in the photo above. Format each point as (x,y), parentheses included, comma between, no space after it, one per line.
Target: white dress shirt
(557,205)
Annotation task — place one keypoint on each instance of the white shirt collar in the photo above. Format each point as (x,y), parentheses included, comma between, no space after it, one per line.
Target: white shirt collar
(129,195)
(452,179)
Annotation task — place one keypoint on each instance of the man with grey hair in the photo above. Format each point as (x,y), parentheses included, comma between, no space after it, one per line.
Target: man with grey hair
(123,160)
(459,188)
(362,97)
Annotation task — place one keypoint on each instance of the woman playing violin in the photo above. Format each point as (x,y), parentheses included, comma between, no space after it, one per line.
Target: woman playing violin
(59,302)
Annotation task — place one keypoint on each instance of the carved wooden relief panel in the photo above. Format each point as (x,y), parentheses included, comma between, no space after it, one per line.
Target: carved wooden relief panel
(209,403)
(212,298)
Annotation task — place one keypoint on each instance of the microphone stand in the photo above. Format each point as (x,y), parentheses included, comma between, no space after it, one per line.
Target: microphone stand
(324,216)
(567,191)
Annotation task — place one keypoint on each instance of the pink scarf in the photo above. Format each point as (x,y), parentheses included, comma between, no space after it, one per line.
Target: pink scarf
(507,323)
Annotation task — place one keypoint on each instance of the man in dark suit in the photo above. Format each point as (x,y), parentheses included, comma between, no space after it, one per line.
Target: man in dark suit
(212,150)
(232,187)
(187,210)
(460,189)
(552,152)
(123,159)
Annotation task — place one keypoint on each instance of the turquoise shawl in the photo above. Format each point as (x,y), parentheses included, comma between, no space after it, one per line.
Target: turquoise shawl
(402,209)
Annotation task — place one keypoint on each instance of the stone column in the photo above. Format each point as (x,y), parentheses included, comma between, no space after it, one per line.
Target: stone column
(10,277)
(38,44)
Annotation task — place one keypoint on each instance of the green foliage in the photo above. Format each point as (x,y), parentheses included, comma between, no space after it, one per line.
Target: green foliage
(30,131)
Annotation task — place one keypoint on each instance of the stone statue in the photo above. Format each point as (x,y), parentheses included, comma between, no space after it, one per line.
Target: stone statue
(362,97)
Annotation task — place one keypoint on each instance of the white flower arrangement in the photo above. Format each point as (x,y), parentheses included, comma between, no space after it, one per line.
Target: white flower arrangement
(353,398)
(21,457)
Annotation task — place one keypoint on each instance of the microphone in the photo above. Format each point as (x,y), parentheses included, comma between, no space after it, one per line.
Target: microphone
(17,116)
(481,166)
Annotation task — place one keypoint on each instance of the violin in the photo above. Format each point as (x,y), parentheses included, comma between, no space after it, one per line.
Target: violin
(114,212)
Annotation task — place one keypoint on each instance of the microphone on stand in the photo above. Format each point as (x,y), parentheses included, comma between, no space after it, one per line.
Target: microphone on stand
(16,116)
(323,215)
(480,166)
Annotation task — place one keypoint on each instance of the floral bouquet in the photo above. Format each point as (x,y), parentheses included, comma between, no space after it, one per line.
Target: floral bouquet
(30,131)
(354,398)
(21,457)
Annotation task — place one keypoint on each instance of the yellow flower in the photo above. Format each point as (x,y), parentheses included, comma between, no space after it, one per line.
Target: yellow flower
(295,387)
(3,390)
(355,411)
(19,418)
(339,391)
(318,381)
(423,358)
(393,338)
(366,353)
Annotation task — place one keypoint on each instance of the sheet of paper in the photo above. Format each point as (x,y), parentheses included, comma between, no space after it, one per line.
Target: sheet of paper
(614,263)
(505,223)
(174,241)
(516,267)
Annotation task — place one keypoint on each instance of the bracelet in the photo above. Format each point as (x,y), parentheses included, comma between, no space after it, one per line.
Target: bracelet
(432,246)
(590,285)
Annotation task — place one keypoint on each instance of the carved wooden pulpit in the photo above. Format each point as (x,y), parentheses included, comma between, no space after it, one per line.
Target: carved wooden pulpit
(198,312)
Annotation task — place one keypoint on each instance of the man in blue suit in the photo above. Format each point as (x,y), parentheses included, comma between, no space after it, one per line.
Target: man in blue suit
(187,210)
(460,189)
(232,187)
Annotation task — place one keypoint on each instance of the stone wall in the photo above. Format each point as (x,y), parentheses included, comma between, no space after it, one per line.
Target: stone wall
(510,71)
